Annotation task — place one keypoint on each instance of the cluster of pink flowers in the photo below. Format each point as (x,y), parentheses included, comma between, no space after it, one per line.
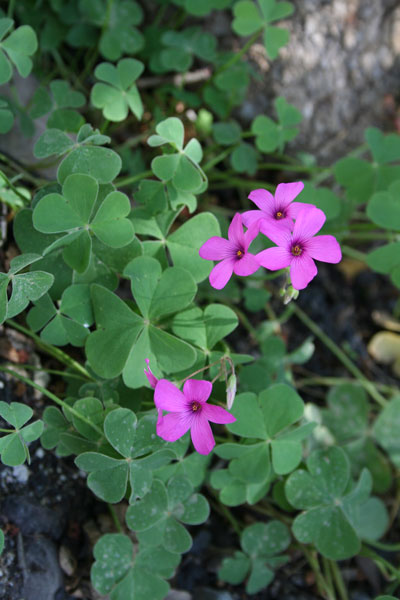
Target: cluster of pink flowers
(187,410)
(290,225)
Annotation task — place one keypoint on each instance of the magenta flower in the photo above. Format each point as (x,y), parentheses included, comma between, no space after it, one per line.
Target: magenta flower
(279,210)
(189,410)
(298,249)
(231,252)
(152,379)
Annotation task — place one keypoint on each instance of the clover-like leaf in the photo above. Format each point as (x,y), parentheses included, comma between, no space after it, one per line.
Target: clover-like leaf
(157,516)
(69,324)
(121,574)
(108,477)
(271,135)
(118,92)
(233,491)
(76,213)
(19,46)
(261,543)
(123,338)
(26,287)
(384,208)
(1,542)
(181,168)
(249,18)
(183,46)
(386,427)
(333,518)
(14,445)
(347,420)
(267,418)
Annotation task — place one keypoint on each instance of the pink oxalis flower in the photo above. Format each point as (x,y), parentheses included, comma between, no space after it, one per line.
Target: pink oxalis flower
(232,253)
(299,248)
(279,210)
(189,410)
(152,379)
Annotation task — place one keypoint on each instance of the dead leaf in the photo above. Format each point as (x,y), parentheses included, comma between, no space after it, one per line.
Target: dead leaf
(384,347)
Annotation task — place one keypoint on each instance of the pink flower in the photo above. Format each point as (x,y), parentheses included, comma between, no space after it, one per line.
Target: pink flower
(189,410)
(231,252)
(298,249)
(149,374)
(279,210)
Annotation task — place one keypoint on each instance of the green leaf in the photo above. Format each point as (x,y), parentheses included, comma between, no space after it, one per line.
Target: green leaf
(52,141)
(244,159)
(249,417)
(234,570)
(332,517)
(384,208)
(118,573)
(119,93)
(384,148)
(184,244)
(227,133)
(101,163)
(247,18)
(148,511)
(386,427)
(19,45)
(274,39)
(170,131)
(385,258)
(1,542)
(16,414)
(263,539)
(281,407)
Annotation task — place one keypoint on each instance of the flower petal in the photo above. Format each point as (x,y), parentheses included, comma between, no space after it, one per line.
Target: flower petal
(293,209)
(263,199)
(216,248)
(302,270)
(286,223)
(168,397)
(325,248)
(252,216)
(173,426)
(247,265)
(285,193)
(308,222)
(235,231)
(197,390)
(221,273)
(279,235)
(251,234)
(202,437)
(274,258)
(217,414)
(152,379)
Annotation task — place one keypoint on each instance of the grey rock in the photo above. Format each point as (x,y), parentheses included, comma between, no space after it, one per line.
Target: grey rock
(206,593)
(178,595)
(32,518)
(42,574)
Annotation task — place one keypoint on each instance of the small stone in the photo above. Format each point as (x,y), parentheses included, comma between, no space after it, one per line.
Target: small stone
(21,473)
(178,595)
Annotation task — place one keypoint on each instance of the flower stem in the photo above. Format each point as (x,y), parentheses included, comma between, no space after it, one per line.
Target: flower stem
(114,517)
(352,253)
(53,397)
(338,352)
(225,512)
(323,586)
(123,181)
(236,57)
(329,381)
(337,576)
(52,350)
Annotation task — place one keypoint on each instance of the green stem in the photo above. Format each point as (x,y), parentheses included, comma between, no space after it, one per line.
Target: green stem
(52,397)
(7,430)
(236,57)
(123,181)
(42,369)
(380,561)
(352,253)
(322,585)
(114,517)
(230,181)
(338,352)
(225,512)
(337,576)
(16,191)
(329,381)
(52,350)
(10,11)
(365,236)
(327,572)
(289,167)
(217,159)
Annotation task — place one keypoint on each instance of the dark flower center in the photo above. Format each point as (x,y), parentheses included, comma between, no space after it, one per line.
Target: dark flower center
(279,215)
(195,406)
(239,253)
(296,250)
